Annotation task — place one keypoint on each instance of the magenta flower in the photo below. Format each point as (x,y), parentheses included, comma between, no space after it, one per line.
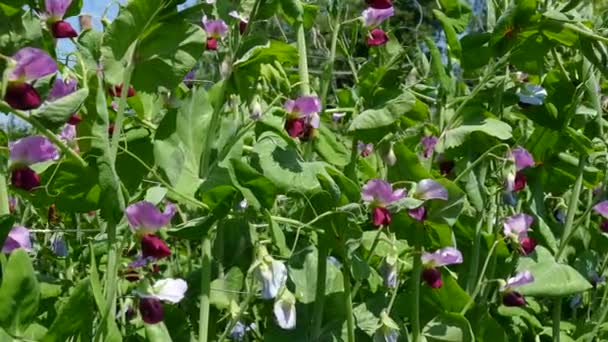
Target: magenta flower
(381,216)
(31,150)
(144,217)
(18,237)
(375,16)
(516,227)
(55,10)
(441,257)
(511,297)
(302,118)
(25,178)
(427,189)
(30,65)
(151,310)
(376,37)
(68,134)
(365,149)
(428,145)
(602,209)
(62,88)
(216,29)
(380,4)
(154,247)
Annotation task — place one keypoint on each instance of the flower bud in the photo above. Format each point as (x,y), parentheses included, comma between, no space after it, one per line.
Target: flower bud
(153,246)
(432,277)
(151,310)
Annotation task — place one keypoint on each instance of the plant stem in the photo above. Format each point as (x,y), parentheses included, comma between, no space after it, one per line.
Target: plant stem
(369,257)
(572,207)
(330,66)
(475,260)
(211,135)
(348,303)
(320,290)
(303,61)
(416,273)
(557,312)
(4,206)
(122,104)
(203,324)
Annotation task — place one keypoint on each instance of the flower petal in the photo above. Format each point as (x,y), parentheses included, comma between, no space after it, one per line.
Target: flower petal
(517,226)
(32,64)
(442,257)
(18,237)
(146,217)
(375,16)
(378,190)
(170,290)
(521,278)
(32,149)
(285,313)
(602,208)
(522,157)
(62,88)
(428,189)
(57,8)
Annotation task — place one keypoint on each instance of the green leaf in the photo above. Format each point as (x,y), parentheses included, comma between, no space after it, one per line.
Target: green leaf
(157,332)
(131,170)
(365,319)
(226,289)
(391,112)
(56,113)
(448,327)
(75,315)
(472,122)
(19,293)
(556,31)
(304,276)
(6,224)
(258,190)
(407,167)
(450,33)
(293,10)
(551,279)
(438,69)
(330,148)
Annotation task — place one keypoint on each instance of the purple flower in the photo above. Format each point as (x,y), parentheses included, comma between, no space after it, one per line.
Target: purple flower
(428,189)
(145,217)
(381,4)
(189,78)
(303,106)
(151,310)
(516,226)
(375,16)
(376,37)
(68,134)
(442,257)
(365,149)
(527,245)
(59,245)
(379,193)
(215,28)
(513,298)
(31,150)
(418,214)
(57,8)
(18,237)
(154,247)
(273,276)
(602,209)
(243,20)
(62,88)
(523,159)
(432,277)
(428,145)
(520,279)
(31,64)
(168,290)
(55,11)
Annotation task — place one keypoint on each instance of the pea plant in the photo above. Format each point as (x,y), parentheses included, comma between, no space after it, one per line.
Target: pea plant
(289,170)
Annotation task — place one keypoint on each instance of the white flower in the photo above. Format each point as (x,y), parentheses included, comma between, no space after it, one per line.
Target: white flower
(532,94)
(169,289)
(273,276)
(285,311)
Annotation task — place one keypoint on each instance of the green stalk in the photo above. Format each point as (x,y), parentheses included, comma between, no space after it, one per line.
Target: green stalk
(475,260)
(348,303)
(572,206)
(122,104)
(416,273)
(330,66)
(211,133)
(203,324)
(320,290)
(303,61)
(557,312)
(4,207)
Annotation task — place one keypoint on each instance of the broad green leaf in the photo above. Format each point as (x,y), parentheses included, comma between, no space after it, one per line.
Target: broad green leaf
(56,113)
(407,167)
(330,148)
(556,31)
(456,136)
(449,298)
(19,293)
(157,332)
(448,327)
(226,289)
(438,69)
(551,279)
(365,319)
(523,312)
(74,315)
(129,166)
(258,190)
(304,277)
(391,112)
(293,10)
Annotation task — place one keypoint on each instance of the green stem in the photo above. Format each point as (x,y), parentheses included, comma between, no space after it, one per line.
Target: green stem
(557,312)
(320,290)
(572,207)
(416,273)
(303,61)
(203,324)
(475,260)
(479,160)
(4,206)
(348,303)
(122,104)
(369,257)
(213,128)
(330,66)
(602,316)
(480,280)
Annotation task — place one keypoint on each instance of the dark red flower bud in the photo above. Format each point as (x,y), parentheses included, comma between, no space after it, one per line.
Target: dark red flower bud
(74,119)
(242,26)
(295,127)
(520,182)
(22,96)
(153,246)
(513,299)
(151,310)
(446,167)
(528,245)
(381,216)
(25,178)
(418,214)
(116,90)
(63,29)
(604,226)
(211,44)
(379,4)
(377,37)
(432,277)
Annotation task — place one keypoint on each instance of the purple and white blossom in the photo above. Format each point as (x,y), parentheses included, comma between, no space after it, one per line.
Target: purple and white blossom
(375,16)
(18,237)
(428,189)
(272,274)
(442,257)
(519,279)
(31,150)
(532,94)
(516,226)
(379,192)
(285,310)
(145,217)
